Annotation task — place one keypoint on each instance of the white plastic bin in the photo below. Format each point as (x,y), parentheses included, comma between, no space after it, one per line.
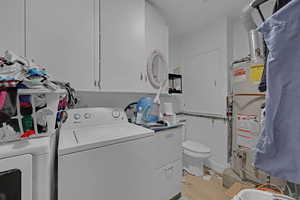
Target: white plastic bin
(51,99)
(259,195)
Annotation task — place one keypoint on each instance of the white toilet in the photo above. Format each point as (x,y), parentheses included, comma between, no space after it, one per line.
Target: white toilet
(194,156)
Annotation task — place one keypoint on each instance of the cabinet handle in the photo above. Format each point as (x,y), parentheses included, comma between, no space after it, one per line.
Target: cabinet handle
(99,84)
(95,83)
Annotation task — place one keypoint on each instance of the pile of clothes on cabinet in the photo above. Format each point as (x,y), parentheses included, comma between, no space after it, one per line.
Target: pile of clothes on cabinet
(30,110)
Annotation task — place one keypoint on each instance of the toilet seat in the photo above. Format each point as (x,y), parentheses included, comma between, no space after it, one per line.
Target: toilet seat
(195,149)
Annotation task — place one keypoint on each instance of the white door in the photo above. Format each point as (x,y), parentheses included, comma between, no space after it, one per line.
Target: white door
(16,178)
(63,36)
(157,38)
(122,45)
(12,29)
(205,73)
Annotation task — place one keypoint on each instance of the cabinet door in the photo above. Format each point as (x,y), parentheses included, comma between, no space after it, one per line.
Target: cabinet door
(122,45)
(12,29)
(168,181)
(168,146)
(157,37)
(63,36)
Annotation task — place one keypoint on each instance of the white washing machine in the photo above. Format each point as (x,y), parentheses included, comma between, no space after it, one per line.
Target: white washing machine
(103,157)
(25,170)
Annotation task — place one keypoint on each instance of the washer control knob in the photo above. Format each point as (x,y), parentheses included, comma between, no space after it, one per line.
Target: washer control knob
(77,116)
(87,116)
(116,114)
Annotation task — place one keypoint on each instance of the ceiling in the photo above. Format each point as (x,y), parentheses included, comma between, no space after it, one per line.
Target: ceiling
(187,15)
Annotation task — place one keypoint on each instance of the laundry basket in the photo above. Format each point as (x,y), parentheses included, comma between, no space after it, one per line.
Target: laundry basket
(251,194)
(34,115)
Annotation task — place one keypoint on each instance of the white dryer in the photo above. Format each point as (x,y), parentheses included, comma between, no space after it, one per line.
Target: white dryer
(25,170)
(103,157)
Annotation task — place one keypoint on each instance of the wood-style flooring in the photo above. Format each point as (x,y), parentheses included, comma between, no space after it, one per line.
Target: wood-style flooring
(195,188)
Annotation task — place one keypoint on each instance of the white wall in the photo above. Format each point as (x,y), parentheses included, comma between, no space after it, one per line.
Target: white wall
(209,38)
(212,133)
(229,35)
(118,100)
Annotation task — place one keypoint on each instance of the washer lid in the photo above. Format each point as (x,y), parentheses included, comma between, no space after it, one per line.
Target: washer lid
(74,140)
(195,147)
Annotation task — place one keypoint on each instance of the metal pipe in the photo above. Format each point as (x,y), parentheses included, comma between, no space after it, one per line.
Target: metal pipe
(255,39)
(255,46)
(204,115)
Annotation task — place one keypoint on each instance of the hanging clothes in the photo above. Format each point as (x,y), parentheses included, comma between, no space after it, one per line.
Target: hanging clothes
(7,103)
(263,84)
(278,148)
(280,4)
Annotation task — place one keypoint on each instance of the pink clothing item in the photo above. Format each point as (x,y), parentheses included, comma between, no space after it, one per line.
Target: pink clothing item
(3,95)
(63,102)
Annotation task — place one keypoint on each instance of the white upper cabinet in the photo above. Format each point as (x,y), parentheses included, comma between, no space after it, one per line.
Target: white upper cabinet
(12,29)
(123,45)
(63,36)
(157,37)
(96,45)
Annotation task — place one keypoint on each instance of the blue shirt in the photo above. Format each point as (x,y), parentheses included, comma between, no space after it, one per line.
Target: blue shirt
(278,149)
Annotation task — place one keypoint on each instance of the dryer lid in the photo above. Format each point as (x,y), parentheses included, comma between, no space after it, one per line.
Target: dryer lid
(34,146)
(195,147)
